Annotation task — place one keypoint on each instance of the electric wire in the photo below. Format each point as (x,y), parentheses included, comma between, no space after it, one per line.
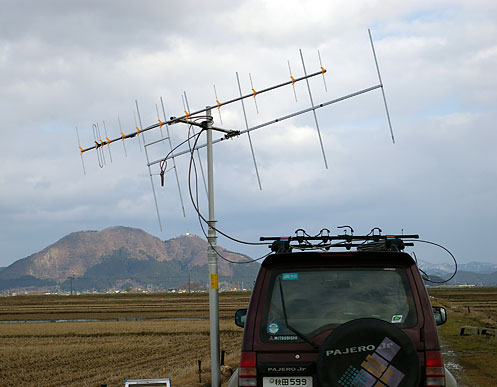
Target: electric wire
(252,260)
(197,209)
(443,248)
(201,218)
(425,276)
(163,162)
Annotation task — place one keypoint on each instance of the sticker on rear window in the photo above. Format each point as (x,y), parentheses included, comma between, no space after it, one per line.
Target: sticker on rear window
(290,276)
(273,328)
(397,318)
(283,338)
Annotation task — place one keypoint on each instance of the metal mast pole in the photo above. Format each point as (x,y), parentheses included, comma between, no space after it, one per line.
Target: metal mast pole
(212,263)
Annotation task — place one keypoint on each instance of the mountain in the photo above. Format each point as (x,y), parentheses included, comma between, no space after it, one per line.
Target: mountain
(474,267)
(75,253)
(123,257)
(472,273)
(478,267)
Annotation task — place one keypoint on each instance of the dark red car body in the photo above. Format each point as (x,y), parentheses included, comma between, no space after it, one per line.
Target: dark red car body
(262,359)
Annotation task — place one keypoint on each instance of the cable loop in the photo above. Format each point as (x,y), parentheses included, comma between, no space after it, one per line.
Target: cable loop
(443,248)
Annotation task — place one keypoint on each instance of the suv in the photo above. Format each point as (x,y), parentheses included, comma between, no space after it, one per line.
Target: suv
(359,317)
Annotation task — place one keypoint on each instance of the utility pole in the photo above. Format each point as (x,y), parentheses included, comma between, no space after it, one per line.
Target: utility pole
(70,280)
(212,262)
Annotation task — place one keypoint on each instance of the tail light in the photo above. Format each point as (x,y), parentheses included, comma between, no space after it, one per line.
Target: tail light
(247,375)
(435,374)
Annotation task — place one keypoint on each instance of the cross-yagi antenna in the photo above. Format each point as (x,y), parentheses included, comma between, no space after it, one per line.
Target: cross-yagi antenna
(148,161)
(293,79)
(203,118)
(79,146)
(195,113)
(122,136)
(174,162)
(314,110)
(246,126)
(381,83)
(274,121)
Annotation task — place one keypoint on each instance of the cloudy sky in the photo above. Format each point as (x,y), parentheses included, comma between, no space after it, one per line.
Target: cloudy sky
(67,64)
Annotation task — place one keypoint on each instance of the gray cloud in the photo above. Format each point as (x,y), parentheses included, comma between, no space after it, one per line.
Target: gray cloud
(67,64)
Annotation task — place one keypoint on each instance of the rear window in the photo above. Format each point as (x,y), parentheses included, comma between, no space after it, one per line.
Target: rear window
(311,301)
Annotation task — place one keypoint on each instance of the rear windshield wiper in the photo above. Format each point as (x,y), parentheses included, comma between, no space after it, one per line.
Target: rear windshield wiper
(298,333)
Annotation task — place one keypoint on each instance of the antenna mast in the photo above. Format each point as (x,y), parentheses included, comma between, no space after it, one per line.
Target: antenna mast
(212,260)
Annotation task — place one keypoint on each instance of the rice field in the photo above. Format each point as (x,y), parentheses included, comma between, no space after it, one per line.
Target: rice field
(116,347)
(471,358)
(107,352)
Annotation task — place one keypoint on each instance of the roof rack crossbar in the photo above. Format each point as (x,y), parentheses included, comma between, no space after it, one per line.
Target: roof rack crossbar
(369,242)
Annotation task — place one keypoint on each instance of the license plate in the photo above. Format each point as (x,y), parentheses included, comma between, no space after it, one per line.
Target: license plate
(287,381)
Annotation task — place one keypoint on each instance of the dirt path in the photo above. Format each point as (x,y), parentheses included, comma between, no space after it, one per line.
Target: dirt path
(452,363)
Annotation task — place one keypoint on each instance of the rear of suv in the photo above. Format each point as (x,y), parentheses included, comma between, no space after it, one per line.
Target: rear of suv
(347,318)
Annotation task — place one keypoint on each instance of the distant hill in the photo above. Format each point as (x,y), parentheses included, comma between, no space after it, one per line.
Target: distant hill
(473,267)
(121,257)
(466,277)
(472,273)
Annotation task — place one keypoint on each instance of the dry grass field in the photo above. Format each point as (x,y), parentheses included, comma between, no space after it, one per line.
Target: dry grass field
(120,305)
(472,358)
(96,353)
(106,352)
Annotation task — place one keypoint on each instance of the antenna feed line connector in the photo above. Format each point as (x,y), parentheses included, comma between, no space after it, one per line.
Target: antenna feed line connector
(231,134)
(174,120)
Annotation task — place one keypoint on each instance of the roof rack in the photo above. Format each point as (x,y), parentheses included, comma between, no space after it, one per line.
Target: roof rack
(324,240)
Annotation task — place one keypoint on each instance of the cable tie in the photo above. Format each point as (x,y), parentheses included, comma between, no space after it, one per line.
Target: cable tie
(323,70)
(218,104)
(293,80)
(187,115)
(255,92)
(123,136)
(138,129)
(82,150)
(161,124)
(108,141)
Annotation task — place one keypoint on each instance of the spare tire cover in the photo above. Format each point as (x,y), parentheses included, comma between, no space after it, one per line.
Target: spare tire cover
(368,352)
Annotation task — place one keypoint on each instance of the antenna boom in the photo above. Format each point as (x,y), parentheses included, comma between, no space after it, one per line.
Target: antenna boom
(186,116)
(315,107)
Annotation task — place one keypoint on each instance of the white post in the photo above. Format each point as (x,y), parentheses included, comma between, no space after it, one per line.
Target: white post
(212,264)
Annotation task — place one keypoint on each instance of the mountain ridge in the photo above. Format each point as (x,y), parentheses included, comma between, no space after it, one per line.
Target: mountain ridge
(474,267)
(471,273)
(126,255)
(118,257)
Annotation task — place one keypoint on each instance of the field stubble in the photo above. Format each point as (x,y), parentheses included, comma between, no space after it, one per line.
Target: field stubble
(471,358)
(95,353)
